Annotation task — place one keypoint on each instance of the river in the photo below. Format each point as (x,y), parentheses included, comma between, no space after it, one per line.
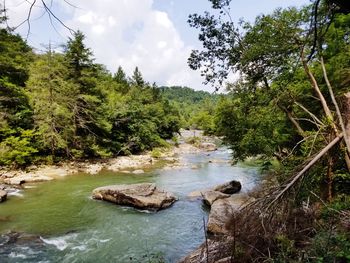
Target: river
(75,228)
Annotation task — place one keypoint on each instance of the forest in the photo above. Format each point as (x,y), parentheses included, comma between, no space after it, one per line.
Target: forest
(289,111)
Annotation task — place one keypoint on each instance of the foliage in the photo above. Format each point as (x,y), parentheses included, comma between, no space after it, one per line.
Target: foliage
(18,150)
(282,107)
(51,97)
(58,106)
(197,108)
(156,153)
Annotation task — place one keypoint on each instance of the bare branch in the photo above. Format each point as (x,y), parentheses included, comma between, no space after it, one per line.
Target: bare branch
(307,167)
(59,20)
(310,113)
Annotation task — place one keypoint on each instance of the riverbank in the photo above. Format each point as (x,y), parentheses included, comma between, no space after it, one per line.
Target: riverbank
(136,164)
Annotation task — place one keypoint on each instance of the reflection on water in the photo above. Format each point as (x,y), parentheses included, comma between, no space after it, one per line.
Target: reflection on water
(72,227)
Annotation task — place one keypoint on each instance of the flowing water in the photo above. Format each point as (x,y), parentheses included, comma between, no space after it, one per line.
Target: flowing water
(75,228)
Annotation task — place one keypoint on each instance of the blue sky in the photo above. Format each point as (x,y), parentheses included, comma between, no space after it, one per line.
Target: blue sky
(151,34)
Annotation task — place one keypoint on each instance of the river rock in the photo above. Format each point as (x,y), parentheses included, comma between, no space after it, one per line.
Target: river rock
(230,188)
(94,168)
(208,146)
(3,196)
(27,178)
(16,238)
(210,197)
(144,196)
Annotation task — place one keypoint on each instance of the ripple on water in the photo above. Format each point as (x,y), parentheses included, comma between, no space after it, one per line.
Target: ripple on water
(61,243)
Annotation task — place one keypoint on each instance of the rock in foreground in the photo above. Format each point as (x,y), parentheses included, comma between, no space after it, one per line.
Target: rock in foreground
(222,210)
(144,196)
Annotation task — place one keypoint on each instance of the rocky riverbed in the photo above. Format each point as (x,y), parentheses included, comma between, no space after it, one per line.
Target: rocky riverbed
(128,164)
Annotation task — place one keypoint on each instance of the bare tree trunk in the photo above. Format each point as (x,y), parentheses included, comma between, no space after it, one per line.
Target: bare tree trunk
(339,115)
(319,94)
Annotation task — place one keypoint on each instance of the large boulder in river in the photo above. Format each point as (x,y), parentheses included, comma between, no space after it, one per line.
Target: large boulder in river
(144,196)
(3,196)
(229,188)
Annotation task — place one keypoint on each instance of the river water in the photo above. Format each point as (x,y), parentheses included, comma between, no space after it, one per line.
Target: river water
(75,228)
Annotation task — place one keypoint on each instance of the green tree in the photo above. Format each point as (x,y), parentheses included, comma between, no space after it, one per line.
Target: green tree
(120,76)
(137,79)
(121,79)
(89,123)
(52,97)
(15,56)
(16,135)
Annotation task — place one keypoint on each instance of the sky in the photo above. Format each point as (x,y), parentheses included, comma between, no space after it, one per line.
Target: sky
(151,34)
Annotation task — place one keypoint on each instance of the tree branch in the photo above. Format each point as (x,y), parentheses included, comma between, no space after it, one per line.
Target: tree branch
(307,167)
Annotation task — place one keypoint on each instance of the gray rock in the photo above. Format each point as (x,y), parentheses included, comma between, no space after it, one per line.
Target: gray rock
(210,197)
(27,178)
(3,196)
(230,188)
(144,196)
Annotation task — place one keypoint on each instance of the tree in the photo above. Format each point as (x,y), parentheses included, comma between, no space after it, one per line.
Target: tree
(121,79)
(120,76)
(52,97)
(16,135)
(137,78)
(14,60)
(88,123)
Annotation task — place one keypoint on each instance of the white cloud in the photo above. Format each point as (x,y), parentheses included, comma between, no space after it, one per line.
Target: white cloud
(128,33)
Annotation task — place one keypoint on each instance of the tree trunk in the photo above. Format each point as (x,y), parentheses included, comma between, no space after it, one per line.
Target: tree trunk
(319,94)
(339,115)
(346,117)
(329,178)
